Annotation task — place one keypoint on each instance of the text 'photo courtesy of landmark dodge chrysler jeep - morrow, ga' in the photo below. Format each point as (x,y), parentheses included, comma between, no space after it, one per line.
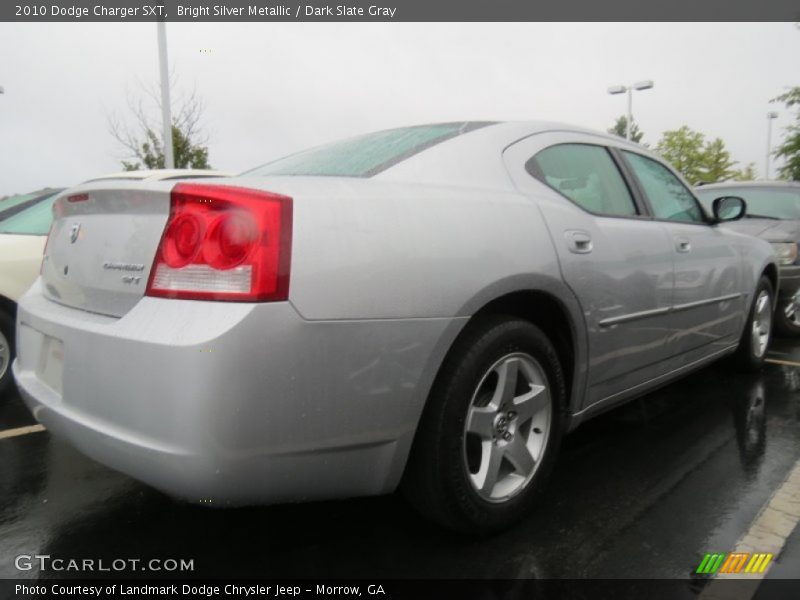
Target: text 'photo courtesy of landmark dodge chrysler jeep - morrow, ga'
(428,308)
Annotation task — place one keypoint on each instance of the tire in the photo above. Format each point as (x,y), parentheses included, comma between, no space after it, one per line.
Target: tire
(788,324)
(7,352)
(476,465)
(753,347)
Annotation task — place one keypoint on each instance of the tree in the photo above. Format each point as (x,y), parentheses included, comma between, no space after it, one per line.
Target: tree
(683,148)
(142,141)
(789,149)
(697,160)
(716,163)
(619,129)
(749,173)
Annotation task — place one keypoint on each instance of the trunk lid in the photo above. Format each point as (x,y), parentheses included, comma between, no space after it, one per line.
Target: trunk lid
(101,248)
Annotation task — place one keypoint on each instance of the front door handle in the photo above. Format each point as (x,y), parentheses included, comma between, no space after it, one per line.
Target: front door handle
(579,242)
(683,244)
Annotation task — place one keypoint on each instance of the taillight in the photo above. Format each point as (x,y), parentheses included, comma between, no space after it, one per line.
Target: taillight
(224,243)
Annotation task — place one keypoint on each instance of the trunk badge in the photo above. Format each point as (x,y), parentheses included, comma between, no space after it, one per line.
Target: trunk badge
(74,233)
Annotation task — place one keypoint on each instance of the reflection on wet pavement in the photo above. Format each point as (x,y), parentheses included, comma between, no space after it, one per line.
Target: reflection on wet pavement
(642,491)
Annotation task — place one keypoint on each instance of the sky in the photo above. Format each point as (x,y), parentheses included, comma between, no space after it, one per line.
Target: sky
(269,89)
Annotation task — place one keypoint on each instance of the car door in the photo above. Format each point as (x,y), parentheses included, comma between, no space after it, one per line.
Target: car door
(615,258)
(707,304)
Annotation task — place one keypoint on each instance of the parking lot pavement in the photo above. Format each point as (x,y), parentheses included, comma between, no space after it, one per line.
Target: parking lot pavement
(644,491)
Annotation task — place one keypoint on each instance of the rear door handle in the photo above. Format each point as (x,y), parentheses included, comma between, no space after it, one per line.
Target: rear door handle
(579,242)
(683,244)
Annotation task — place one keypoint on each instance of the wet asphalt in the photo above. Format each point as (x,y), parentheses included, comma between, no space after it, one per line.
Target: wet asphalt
(643,491)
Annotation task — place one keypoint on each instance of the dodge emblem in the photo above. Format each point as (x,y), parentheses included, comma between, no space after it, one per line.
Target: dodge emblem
(74,232)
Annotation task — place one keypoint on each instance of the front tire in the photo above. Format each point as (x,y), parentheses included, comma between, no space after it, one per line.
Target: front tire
(6,350)
(490,431)
(787,316)
(758,329)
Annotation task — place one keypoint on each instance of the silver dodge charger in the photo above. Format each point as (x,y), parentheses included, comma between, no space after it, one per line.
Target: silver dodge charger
(428,308)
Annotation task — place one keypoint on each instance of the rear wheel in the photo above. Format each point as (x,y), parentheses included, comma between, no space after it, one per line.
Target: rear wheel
(758,329)
(6,349)
(489,434)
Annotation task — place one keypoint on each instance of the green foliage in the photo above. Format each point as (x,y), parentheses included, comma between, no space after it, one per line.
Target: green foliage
(698,160)
(683,149)
(619,129)
(749,173)
(715,163)
(789,149)
(186,154)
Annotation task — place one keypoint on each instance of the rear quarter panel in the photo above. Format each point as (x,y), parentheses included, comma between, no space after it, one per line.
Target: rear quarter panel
(372,250)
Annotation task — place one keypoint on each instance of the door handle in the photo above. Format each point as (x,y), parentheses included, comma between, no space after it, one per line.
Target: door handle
(579,242)
(683,244)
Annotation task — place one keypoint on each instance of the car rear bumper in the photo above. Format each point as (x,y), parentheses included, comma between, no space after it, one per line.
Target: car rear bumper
(231,403)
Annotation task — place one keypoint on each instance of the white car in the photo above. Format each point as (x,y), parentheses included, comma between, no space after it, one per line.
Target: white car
(22,241)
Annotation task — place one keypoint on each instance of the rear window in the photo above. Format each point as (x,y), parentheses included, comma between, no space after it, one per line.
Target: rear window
(34,220)
(366,155)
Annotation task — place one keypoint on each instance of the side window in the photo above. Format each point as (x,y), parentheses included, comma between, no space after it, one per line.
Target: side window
(668,197)
(585,174)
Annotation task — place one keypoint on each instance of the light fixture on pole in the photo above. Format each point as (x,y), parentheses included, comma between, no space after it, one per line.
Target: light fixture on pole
(771,116)
(166,116)
(621,89)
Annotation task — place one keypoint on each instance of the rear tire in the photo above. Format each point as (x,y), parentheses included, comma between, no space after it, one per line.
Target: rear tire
(7,352)
(758,329)
(490,431)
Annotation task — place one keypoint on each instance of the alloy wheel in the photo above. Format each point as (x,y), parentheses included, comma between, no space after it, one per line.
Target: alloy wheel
(762,323)
(507,427)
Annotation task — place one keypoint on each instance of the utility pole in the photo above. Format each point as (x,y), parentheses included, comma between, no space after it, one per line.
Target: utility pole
(166,115)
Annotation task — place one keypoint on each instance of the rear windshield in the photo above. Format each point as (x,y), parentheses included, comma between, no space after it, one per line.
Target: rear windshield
(366,155)
(778,203)
(34,220)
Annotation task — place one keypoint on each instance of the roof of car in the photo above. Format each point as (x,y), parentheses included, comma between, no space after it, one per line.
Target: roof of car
(763,183)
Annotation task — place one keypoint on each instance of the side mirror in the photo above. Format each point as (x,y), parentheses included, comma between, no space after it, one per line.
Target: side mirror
(729,208)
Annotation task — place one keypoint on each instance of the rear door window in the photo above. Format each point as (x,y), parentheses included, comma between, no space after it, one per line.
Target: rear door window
(587,175)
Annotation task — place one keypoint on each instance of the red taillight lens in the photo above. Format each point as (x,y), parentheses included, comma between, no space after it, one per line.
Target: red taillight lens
(182,240)
(224,243)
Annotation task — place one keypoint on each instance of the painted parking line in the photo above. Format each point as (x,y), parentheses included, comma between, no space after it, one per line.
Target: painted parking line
(776,361)
(10,433)
(766,537)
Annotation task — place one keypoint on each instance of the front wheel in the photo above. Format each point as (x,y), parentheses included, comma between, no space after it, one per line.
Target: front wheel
(758,329)
(787,315)
(489,434)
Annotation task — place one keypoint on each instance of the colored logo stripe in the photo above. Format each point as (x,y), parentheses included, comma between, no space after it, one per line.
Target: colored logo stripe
(710,563)
(758,563)
(734,563)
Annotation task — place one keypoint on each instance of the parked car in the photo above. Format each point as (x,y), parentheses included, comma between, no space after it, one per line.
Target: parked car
(23,231)
(22,235)
(429,307)
(13,204)
(773,214)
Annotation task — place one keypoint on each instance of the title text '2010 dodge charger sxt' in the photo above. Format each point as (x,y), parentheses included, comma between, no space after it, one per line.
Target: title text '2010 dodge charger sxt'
(430,307)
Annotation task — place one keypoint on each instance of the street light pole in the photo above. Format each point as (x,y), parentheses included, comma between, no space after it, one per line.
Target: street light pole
(166,116)
(630,115)
(770,117)
(621,89)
